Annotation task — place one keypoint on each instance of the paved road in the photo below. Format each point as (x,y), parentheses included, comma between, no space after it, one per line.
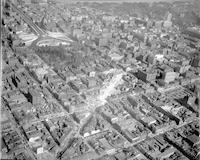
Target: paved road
(29,21)
(42,34)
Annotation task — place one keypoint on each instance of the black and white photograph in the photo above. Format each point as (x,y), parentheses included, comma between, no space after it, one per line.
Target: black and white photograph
(100,79)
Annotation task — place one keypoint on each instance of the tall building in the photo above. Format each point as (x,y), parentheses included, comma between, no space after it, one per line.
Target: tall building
(168,21)
(169,17)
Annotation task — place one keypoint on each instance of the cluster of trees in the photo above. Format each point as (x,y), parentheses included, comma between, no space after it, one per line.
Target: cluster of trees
(54,51)
(55,55)
(52,54)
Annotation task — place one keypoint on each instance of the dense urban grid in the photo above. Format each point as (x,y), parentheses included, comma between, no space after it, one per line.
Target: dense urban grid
(100,81)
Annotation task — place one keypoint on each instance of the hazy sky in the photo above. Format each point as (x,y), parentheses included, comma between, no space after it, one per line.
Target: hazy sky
(119,0)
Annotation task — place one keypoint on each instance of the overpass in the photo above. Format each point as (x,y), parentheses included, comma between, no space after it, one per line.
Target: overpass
(37,30)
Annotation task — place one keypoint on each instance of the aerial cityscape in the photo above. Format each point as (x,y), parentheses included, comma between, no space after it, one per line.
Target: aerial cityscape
(100,80)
